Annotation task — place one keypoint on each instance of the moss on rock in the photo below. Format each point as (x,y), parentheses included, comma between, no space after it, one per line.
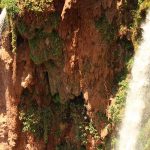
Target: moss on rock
(139,16)
(45,46)
(107,29)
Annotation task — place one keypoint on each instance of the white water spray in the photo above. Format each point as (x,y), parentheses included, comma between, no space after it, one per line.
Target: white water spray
(2,19)
(138,94)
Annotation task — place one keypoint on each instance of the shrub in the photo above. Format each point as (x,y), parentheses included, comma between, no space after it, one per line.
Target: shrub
(36,5)
(121,93)
(11,6)
(85,127)
(107,30)
(36,120)
(139,16)
(41,50)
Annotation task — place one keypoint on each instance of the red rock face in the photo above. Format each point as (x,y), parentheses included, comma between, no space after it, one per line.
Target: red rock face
(88,65)
(89,59)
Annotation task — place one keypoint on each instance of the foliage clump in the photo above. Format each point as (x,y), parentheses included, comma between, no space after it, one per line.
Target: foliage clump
(45,24)
(11,6)
(119,102)
(13,36)
(36,5)
(55,118)
(16,6)
(23,29)
(45,46)
(121,93)
(36,120)
(86,130)
(116,109)
(107,29)
(84,127)
(139,16)
(12,10)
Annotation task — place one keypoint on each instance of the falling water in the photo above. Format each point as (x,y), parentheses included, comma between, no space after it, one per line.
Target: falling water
(138,94)
(2,19)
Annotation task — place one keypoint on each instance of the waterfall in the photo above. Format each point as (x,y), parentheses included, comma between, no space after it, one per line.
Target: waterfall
(138,94)
(2,19)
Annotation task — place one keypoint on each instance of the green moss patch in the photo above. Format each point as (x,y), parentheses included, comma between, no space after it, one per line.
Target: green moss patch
(107,30)
(36,120)
(36,5)
(45,46)
(11,6)
(55,118)
(139,16)
(16,6)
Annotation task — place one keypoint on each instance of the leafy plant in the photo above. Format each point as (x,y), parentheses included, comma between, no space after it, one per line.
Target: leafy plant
(56,98)
(102,116)
(85,129)
(115,110)
(120,97)
(37,5)
(22,28)
(11,6)
(53,20)
(139,16)
(140,2)
(107,30)
(36,120)
(56,44)
(45,46)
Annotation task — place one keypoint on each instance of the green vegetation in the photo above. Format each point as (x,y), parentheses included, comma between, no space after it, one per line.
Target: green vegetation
(56,99)
(84,126)
(86,129)
(11,6)
(121,93)
(22,28)
(36,5)
(40,23)
(140,1)
(45,46)
(16,6)
(36,120)
(107,30)
(115,110)
(53,20)
(25,30)
(139,16)
(53,119)
(42,28)
(56,44)
(12,10)
(14,40)
(13,35)
(102,116)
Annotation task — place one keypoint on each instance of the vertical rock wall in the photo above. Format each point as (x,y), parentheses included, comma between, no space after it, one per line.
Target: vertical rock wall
(70,50)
